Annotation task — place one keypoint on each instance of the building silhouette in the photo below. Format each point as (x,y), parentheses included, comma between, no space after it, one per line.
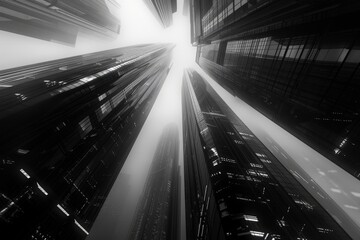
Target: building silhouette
(65,134)
(60,20)
(235,188)
(297,62)
(162,10)
(158,214)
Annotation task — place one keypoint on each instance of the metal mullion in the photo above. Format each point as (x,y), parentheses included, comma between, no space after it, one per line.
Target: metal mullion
(271,67)
(296,65)
(263,60)
(239,46)
(347,85)
(281,64)
(297,80)
(337,72)
(247,72)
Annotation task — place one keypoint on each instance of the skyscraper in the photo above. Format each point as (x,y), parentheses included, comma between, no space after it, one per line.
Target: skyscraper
(235,188)
(158,214)
(297,62)
(65,134)
(59,21)
(162,10)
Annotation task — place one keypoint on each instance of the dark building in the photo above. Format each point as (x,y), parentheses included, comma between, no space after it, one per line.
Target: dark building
(202,215)
(162,10)
(297,62)
(235,188)
(65,134)
(59,20)
(158,215)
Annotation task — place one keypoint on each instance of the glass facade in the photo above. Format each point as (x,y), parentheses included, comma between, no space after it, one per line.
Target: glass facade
(59,21)
(301,73)
(66,134)
(202,214)
(158,212)
(255,196)
(162,10)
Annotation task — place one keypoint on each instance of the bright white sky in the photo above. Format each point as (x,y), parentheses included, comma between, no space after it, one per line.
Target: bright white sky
(138,25)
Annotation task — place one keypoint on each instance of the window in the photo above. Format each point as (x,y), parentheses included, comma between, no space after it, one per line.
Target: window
(104,110)
(85,126)
(354,56)
(102,96)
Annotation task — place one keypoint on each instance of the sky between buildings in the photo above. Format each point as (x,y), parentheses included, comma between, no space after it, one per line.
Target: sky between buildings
(138,26)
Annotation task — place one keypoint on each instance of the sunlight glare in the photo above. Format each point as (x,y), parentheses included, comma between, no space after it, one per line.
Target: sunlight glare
(179,34)
(138,26)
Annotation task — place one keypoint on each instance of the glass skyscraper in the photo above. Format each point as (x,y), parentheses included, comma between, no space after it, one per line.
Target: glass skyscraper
(158,215)
(162,10)
(234,187)
(294,61)
(60,21)
(65,134)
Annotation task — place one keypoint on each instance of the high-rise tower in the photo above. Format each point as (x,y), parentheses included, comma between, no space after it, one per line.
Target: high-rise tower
(67,127)
(162,10)
(297,62)
(60,20)
(235,188)
(158,213)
